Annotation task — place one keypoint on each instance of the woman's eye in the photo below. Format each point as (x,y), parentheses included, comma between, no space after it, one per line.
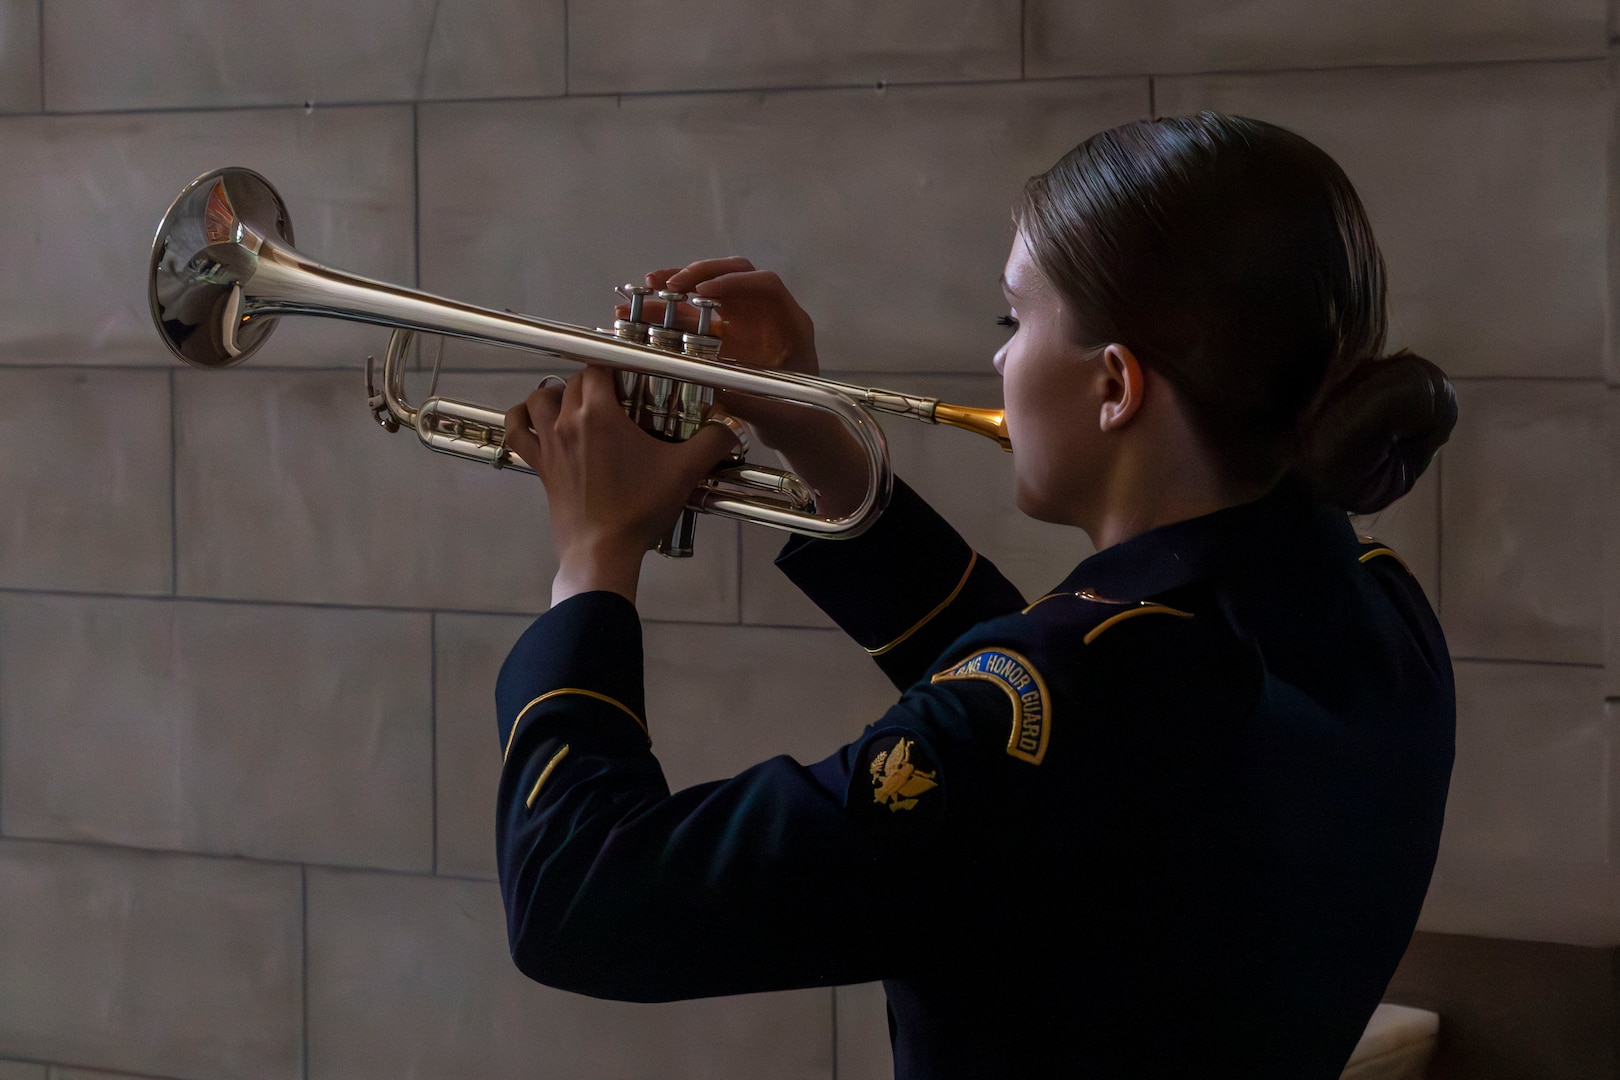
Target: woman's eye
(1007,320)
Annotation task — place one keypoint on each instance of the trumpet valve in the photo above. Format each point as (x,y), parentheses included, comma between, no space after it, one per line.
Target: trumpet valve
(703,345)
(633,328)
(693,404)
(632,392)
(668,336)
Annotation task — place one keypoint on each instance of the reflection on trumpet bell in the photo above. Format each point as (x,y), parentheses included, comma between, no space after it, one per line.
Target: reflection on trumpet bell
(223,270)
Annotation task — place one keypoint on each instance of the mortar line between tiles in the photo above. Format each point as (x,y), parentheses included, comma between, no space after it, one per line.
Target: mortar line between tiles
(1499,661)
(1023,72)
(427,53)
(1429,65)
(567,57)
(2,719)
(1439,535)
(416,193)
(229,601)
(42,56)
(303,915)
(1153,104)
(1447,65)
(834,1001)
(174,487)
(54,1069)
(433,734)
(846,375)
(302,866)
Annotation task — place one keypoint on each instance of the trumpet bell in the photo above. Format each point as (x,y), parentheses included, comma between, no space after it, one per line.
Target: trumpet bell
(207,246)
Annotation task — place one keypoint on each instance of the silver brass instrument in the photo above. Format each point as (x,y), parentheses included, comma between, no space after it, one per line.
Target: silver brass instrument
(223,269)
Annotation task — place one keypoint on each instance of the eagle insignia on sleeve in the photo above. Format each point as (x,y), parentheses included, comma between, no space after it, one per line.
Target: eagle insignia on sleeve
(896,779)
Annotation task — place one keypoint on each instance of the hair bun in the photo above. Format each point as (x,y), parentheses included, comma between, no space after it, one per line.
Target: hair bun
(1373,435)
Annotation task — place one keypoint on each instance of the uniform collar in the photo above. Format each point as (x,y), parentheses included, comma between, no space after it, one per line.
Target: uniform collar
(1278,528)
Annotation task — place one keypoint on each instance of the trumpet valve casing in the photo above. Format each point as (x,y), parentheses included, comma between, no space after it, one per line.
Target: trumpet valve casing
(702,346)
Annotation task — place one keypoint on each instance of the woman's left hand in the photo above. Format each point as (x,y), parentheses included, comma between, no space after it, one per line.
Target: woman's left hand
(614,490)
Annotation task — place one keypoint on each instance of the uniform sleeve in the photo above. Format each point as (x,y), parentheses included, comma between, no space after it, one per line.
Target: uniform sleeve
(905,589)
(618,888)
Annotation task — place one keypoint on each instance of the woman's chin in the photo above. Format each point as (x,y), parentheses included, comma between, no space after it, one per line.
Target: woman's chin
(1031,503)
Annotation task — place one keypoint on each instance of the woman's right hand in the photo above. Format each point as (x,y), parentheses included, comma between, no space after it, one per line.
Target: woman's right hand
(760,322)
(763,326)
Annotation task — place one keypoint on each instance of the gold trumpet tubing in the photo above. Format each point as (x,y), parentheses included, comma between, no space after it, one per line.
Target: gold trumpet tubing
(991,423)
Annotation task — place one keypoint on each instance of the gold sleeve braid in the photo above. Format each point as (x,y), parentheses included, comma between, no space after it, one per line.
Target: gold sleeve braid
(926,619)
(548,695)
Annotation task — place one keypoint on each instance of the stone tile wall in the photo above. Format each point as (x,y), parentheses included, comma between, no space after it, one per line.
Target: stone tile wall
(247,641)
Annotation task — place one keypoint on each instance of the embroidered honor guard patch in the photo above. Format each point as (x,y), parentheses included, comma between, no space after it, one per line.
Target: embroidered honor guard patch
(1031,724)
(897,774)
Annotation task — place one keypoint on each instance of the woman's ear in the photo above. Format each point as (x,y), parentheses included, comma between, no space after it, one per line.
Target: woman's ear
(1124,385)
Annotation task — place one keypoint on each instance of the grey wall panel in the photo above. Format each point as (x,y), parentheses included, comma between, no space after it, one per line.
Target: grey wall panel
(222,729)
(1527,850)
(165,964)
(146,54)
(468,653)
(619,47)
(19,56)
(1165,36)
(768,597)
(85,480)
(1486,188)
(1522,522)
(1611,549)
(21,1070)
(85,194)
(287,491)
(411,976)
(887,212)
(712,714)
(864,1052)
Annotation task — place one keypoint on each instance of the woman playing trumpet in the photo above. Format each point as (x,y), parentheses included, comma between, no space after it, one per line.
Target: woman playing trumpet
(1176,816)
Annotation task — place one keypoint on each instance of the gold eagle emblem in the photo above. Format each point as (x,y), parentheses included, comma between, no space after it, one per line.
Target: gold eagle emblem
(897,782)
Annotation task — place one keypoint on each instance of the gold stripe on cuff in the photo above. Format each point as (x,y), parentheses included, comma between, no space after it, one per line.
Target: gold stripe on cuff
(545,773)
(926,619)
(512,737)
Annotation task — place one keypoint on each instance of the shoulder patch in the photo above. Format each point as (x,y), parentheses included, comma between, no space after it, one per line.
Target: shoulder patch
(1032,714)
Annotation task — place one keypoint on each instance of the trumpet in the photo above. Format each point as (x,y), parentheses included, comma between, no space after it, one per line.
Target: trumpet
(224,270)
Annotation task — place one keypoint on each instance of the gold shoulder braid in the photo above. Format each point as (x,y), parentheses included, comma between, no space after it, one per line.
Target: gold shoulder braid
(1377,549)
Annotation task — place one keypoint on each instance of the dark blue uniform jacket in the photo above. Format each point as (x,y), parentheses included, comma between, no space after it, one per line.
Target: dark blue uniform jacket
(1174,818)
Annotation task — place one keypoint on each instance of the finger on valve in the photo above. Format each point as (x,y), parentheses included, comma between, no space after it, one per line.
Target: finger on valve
(690,276)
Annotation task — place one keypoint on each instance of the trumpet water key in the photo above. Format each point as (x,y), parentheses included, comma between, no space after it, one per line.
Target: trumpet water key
(224,269)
